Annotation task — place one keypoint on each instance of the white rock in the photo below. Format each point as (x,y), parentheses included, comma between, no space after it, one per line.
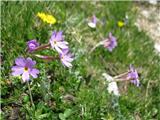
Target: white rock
(157,46)
(145,13)
(112,86)
(153,2)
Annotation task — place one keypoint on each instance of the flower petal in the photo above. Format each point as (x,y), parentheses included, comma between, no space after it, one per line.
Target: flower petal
(58,49)
(67,64)
(20,61)
(25,76)
(69,59)
(17,73)
(16,70)
(62,45)
(65,51)
(59,36)
(30,63)
(34,73)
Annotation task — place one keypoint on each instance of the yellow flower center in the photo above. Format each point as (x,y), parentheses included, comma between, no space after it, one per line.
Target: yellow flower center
(54,42)
(26,69)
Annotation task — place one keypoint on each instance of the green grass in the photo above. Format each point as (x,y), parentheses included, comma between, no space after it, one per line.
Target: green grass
(84,81)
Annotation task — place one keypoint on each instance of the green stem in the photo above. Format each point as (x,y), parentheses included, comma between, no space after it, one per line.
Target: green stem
(79,85)
(30,94)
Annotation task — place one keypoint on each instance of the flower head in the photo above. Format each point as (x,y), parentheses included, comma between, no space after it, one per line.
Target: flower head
(120,24)
(25,67)
(32,44)
(133,75)
(92,23)
(66,58)
(47,18)
(110,43)
(57,42)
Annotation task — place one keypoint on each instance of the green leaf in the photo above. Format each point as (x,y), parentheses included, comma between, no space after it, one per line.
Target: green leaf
(67,113)
(43,116)
(61,116)
(26,99)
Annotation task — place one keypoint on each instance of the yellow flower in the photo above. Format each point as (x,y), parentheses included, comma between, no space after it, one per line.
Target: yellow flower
(47,18)
(120,24)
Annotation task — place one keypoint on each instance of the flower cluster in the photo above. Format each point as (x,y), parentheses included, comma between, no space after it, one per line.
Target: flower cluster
(24,66)
(57,42)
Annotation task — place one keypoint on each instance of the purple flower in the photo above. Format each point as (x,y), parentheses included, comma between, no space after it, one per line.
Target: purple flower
(32,45)
(66,58)
(93,22)
(57,42)
(110,43)
(25,68)
(133,75)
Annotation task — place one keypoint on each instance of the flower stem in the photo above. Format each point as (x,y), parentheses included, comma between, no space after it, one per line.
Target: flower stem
(79,85)
(97,45)
(42,47)
(30,94)
(121,75)
(122,79)
(48,58)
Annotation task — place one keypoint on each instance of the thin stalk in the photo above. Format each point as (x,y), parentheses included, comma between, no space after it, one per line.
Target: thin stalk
(121,80)
(44,57)
(79,85)
(118,76)
(30,94)
(97,45)
(42,47)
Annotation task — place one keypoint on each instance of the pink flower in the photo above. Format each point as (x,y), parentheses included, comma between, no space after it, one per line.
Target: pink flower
(57,42)
(32,45)
(25,67)
(66,58)
(133,75)
(110,43)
